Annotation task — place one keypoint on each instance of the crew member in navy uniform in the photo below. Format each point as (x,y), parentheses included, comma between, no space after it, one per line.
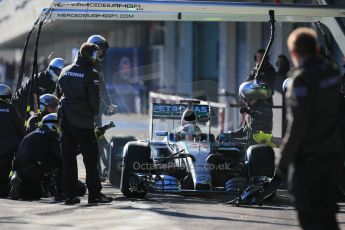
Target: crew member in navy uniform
(48,104)
(312,143)
(38,156)
(79,92)
(257,111)
(106,106)
(11,134)
(44,83)
(267,76)
(258,117)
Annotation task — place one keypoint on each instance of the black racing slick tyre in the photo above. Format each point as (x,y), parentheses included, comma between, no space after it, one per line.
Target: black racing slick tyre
(115,158)
(135,155)
(261,161)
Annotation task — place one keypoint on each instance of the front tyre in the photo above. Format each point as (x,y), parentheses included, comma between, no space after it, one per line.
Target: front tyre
(115,158)
(136,154)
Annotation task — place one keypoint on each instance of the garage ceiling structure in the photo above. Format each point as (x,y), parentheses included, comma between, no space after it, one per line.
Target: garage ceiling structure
(76,17)
(55,31)
(82,11)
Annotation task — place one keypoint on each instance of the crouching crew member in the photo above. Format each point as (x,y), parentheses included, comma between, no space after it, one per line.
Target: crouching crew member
(38,155)
(26,98)
(11,133)
(48,104)
(79,92)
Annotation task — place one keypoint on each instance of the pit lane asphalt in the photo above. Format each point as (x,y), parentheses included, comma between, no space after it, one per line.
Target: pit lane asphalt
(157,211)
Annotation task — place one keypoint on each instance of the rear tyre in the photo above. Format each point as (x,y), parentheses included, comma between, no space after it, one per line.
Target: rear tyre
(261,160)
(115,158)
(136,154)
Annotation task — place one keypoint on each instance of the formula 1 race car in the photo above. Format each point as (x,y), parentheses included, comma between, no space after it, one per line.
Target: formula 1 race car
(188,160)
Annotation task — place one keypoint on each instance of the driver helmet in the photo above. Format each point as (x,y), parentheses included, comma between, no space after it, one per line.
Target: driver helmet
(101,43)
(189,127)
(188,117)
(55,67)
(5,92)
(51,122)
(48,100)
(251,90)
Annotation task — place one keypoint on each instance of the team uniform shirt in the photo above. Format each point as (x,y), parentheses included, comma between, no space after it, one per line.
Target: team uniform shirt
(259,118)
(79,92)
(11,131)
(313,112)
(42,84)
(42,144)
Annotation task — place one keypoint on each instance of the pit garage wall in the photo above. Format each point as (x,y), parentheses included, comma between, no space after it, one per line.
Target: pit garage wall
(229,46)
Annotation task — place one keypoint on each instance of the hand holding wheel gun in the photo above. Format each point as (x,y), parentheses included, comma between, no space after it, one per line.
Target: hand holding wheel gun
(100,130)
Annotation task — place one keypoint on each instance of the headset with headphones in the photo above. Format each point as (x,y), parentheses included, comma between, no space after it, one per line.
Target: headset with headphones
(89,51)
(94,55)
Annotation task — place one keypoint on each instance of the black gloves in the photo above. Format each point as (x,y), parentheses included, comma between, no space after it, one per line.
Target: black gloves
(252,113)
(111,110)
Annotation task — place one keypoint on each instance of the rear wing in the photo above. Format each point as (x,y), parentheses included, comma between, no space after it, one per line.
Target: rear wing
(175,111)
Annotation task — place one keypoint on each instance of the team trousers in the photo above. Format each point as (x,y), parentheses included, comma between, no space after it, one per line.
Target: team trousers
(314,185)
(75,140)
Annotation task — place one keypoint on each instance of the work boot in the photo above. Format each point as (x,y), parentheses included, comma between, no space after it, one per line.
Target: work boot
(72,201)
(15,187)
(59,197)
(101,198)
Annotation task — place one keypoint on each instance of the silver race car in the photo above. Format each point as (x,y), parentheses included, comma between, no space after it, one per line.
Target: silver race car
(188,160)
